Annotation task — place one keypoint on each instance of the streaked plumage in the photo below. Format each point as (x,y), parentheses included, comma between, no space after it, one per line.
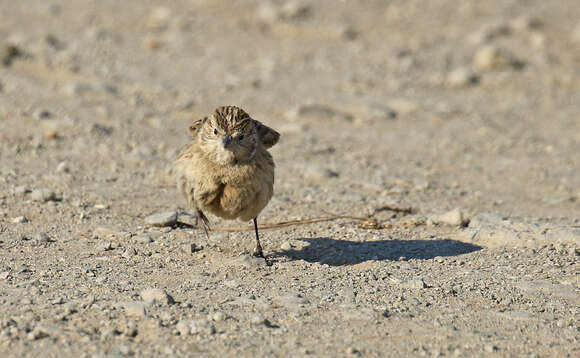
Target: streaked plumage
(226,169)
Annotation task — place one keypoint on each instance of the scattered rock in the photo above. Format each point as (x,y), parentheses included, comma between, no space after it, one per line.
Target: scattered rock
(454,217)
(416,283)
(43,331)
(133,309)
(376,111)
(286,246)
(294,10)
(42,114)
(143,238)
(190,248)
(62,167)
(43,195)
(462,77)
(219,316)
(526,23)
(490,348)
(186,218)
(8,53)
(128,253)
(162,219)
(258,320)
(493,58)
(352,351)
(21,190)
(100,130)
(43,237)
(51,134)
(105,232)
(20,220)
(105,246)
(198,326)
(155,295)
(54,42)
(402,107)
(183,327)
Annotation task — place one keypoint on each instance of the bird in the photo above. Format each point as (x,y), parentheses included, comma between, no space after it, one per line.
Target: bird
(226,168)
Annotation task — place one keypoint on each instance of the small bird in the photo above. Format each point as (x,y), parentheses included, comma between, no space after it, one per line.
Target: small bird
(226,169)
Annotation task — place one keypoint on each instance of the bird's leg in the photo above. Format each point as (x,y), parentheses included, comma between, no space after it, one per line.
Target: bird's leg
(258,251)
(200,217)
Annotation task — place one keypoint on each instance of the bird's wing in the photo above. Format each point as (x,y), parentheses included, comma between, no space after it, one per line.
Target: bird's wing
(195,126)
(267,135)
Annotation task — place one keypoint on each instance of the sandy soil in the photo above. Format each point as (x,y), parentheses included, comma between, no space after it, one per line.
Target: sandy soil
(399,111)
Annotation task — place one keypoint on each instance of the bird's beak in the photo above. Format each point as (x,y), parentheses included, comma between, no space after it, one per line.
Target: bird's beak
(227,140)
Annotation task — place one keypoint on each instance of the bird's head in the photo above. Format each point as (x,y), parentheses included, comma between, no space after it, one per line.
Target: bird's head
(229,136)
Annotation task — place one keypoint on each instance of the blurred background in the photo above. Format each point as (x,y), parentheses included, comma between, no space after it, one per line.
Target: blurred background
(435,104)
(405,110)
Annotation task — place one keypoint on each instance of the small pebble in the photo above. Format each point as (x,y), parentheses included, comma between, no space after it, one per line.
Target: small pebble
(62,167)
(128,253)
(42,114)
(489,348)
(155,295)
(416,283)
(105,246)
(143,238)
(219,316)
(133,309)
(491,58)
(454,217)
(294,10)
(183,327)
(190,248)
(8,53)
(462,77)
(526,23)
(286,246)
(103,232)
(43,195)
(43,331)
(162,219)
(202,326)
(42,237)
(258,320)
(20,220)
(21,190)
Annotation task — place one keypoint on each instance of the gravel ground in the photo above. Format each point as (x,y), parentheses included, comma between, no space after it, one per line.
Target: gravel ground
(452,126)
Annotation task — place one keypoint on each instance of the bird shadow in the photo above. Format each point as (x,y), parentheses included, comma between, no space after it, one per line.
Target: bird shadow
(335,252)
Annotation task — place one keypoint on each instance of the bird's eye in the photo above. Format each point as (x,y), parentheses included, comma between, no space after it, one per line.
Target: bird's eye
(215,131)
(241,137)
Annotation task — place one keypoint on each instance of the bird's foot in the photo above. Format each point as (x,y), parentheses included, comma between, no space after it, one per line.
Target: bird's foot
(203,221)
(259,253)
